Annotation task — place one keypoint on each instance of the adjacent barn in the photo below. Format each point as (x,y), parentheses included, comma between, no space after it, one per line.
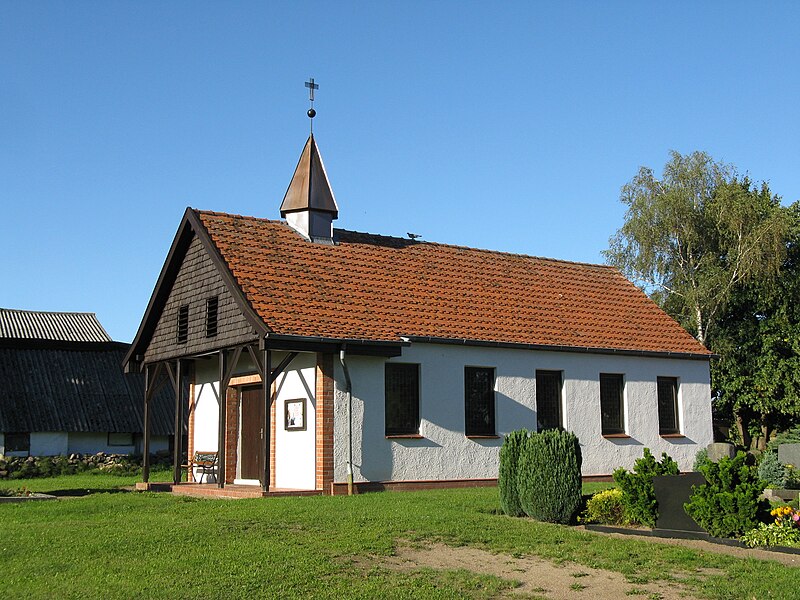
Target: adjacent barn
(63,390)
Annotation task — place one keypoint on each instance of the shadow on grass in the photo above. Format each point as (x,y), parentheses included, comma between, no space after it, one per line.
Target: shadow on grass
(77,493)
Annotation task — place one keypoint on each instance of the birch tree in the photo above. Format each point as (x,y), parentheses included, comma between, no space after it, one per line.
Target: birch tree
(693,234)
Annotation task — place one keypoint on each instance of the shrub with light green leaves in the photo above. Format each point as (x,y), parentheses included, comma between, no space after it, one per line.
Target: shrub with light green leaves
(549,476)
(507,478)
(638,494)
(606,508)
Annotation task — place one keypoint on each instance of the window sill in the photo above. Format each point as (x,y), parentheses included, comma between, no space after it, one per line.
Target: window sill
(483,437)
(616,436)
(672,435)
(405,436)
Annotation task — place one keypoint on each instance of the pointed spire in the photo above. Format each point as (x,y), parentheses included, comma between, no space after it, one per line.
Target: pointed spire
(309,188)
(309,205)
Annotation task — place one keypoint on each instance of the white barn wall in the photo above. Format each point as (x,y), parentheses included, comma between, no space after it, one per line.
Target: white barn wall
(295,451)
(445,453)
(92,443)
(54,443)
(49,443)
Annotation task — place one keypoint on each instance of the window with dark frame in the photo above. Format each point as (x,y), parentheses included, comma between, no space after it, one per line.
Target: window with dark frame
(548,400)
(668,422)
(611,403)
(402,398)
(212,310)
(183,324)
(18,442)
(478,401)
(120,439)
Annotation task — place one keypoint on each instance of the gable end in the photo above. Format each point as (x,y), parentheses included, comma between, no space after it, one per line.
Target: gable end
(196,282)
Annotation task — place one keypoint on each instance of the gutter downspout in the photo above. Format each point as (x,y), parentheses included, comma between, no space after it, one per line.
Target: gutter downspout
(348,387)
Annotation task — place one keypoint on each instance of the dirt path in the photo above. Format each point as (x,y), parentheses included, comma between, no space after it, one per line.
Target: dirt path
(542,579)
(538,578)
(792,560)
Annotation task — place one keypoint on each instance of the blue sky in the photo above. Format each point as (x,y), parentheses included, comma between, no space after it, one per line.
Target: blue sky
(509,126)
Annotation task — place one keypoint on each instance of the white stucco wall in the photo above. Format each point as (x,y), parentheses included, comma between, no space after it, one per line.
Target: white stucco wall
(295,450)
(206,406)
(445,452)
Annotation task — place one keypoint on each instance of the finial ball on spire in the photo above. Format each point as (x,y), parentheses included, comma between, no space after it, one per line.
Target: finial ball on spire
(311,113)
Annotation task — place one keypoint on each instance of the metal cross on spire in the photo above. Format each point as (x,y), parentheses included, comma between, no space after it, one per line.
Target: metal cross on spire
(311,112)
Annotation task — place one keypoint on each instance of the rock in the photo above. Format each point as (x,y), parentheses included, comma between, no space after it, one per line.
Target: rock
(718,450)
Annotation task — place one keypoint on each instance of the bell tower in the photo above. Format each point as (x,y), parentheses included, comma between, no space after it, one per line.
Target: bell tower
(309,206)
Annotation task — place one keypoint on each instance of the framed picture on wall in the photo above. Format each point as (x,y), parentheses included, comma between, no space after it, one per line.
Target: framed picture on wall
(295,415)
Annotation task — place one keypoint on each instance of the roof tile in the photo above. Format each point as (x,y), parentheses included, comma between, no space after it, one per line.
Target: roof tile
(381,288)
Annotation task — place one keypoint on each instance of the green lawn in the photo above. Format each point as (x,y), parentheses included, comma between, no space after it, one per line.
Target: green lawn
(125,545)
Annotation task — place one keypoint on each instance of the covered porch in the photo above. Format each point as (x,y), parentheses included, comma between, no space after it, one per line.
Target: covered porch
(264,410)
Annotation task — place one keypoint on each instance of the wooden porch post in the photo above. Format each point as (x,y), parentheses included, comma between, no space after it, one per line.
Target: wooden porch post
(266,380)
(178,435)
(223,395)
(148,384)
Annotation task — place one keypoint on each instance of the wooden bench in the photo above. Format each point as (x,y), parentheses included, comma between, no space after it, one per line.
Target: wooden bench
(206,462)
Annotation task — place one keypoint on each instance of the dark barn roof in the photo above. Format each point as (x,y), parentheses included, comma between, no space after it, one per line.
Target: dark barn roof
(77,387)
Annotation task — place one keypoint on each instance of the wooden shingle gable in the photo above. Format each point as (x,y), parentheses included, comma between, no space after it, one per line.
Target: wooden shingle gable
(192,273)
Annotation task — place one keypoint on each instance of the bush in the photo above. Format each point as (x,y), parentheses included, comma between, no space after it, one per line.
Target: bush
(605,507)
(549,476)
(783,532)
(771,535)
(638,495)
(728,504)
(700,459)
(772,471)
(790,436)
(507,478)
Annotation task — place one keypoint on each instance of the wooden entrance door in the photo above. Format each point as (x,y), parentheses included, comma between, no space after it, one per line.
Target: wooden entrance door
(251,457)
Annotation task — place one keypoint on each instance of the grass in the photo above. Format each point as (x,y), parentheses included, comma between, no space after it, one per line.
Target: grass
(125,545)
(82,483)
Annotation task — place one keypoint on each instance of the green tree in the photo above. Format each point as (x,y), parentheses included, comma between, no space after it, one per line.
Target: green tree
(757,376)
(693,235)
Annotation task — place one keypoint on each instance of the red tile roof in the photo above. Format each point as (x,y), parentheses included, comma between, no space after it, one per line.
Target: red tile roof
(381,288)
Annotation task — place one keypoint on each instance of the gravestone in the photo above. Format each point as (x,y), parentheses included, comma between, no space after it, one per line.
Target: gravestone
(789,454)
(672,492)
(718,450)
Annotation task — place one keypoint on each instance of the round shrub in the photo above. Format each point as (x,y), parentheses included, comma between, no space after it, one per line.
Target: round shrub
(549,476)
(507,478)
(606,508)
